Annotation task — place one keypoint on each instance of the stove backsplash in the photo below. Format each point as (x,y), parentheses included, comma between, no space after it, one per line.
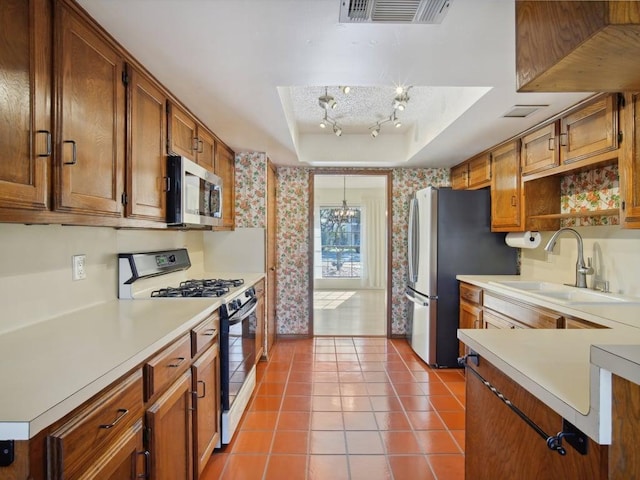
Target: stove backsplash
(36,264)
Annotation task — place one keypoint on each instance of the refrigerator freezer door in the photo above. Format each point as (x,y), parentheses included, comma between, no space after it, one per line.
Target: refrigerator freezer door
(422,311)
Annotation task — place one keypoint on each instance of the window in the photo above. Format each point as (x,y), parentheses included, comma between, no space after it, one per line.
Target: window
(340,243)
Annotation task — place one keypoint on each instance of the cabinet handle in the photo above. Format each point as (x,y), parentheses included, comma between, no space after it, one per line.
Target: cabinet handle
(74,149)
(147,464)
(194,144)
(204,389)
(210,332)
(513,201)
(178,363)
(48,152)
(121,414)
(564,139)
(552,143)
(167,184)
(200,146)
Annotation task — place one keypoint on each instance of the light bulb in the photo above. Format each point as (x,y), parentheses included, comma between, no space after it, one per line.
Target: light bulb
(332,103)
(399,89)
(345,89)
(337,130)
(397,123)
(323,124)
(375,132)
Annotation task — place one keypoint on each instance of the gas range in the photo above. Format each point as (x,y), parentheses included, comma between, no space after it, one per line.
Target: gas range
(238,319)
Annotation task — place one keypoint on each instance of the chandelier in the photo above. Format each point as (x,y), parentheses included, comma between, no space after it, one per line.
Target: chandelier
(344,213)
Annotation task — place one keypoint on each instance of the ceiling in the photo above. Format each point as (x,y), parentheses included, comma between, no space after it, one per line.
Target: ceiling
(252,70)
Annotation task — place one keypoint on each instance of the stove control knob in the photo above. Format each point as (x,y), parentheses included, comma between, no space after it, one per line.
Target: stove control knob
(251,292)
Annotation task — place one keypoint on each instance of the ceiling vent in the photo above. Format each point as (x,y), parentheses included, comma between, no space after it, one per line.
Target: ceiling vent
(393,11)
(522,111)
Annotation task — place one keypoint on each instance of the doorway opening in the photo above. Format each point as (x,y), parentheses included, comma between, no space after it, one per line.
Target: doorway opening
(350,231)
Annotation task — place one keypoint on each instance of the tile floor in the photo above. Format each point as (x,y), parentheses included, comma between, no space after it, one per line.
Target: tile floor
(348,408)
(349,312)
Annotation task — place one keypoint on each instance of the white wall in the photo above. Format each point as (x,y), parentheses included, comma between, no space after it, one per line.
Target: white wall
(615,252)
(35,266)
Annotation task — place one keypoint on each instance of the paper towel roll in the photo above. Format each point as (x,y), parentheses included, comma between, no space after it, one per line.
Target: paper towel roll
(523,239)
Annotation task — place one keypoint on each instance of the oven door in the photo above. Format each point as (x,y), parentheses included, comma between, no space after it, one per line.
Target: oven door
(237,351)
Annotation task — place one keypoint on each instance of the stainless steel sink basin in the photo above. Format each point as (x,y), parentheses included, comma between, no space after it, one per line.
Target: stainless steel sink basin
(565,294)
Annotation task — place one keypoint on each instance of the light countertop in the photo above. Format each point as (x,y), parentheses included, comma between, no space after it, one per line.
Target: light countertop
(58,364)
(564,368)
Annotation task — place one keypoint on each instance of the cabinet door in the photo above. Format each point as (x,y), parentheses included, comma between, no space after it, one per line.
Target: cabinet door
(494,320)
(207,413)
(459,176)
(506,201)
(206,149)
(124,459)
(630,164)
(591,130)
(25,87)
(225,169)
(271,257)
(470,317)
(260,320)
(539,150)
(170,434)
(90,118)
(183,138)
(480,171)
(146,158)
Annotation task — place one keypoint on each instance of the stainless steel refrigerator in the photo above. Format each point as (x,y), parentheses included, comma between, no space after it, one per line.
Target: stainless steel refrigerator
(449,234)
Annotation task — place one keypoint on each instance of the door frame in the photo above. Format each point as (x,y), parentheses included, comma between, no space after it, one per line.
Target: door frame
(388,173)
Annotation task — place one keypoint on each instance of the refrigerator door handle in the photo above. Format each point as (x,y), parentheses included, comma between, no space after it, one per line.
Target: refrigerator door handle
(412,241)
(417,298)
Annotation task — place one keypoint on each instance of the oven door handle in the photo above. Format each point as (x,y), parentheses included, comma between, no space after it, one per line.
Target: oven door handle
(235,319)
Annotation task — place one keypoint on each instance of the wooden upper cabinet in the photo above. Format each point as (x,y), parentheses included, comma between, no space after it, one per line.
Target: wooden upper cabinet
(539,149)
(225,169)
(206,155)
(577,46)
(90,117)
(590,130)
(183,135)
(479,171)
(506,198)
(147,139)
(629,164)
(460,176)
(25,91)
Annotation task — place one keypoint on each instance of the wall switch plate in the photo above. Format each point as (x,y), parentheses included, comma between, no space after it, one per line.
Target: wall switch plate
(78,267)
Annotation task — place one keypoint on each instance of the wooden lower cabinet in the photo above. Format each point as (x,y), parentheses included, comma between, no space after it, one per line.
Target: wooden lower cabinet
(624,462)
(207,409)
(470,310)
(500,445)
(169,430)
(125,460)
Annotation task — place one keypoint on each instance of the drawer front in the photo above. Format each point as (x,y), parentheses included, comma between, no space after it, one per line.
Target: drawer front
(471,293)
(205,334)
(70,447)
(162,369)
(528,315)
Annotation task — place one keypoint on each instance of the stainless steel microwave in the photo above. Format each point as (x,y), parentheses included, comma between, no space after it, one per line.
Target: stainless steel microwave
(194,194)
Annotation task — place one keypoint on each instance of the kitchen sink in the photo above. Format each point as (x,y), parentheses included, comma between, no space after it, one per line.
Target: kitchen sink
(565,294)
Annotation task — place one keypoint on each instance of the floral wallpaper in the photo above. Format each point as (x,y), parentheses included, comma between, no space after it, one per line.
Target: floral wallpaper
(595,189)
(251,190)
(405,182)
(292,308)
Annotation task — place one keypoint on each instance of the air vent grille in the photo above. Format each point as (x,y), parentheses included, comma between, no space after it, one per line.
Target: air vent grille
(393,11)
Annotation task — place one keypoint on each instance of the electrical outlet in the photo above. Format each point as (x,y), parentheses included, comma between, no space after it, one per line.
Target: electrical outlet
(78,267)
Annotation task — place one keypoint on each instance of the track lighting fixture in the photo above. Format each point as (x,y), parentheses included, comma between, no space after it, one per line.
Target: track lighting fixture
(327,103)
(400,101)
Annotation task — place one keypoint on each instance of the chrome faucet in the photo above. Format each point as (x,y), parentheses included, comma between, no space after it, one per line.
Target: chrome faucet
(582,270)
